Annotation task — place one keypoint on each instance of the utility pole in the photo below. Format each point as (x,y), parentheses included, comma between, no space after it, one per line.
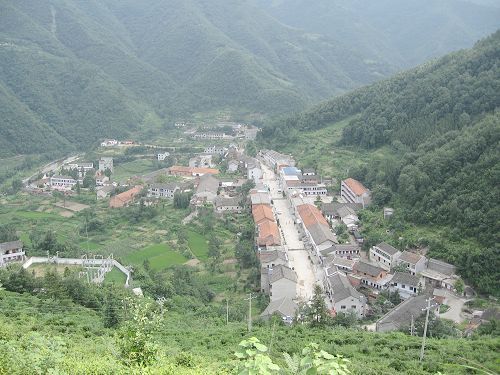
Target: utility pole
(249,299)
(412,327)
(227,311)
(428,308)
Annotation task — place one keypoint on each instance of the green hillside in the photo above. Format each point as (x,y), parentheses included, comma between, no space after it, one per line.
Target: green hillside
(73,72)
(426,142)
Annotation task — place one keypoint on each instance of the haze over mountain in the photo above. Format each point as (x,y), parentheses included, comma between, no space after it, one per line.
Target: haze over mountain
(73,72)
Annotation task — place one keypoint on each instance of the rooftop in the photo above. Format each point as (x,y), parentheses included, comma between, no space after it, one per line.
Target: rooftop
(406,279)
(12,245)
(227,201)
(208,183)
(356,186)
(262,212)
(282,272)
(269,234)
(284,306)
(402,314)
(271,256)
(310,215)
(387,248)
(369,269)
(409,257)
(441,267)
(260,198)
(321,233)
(342,288)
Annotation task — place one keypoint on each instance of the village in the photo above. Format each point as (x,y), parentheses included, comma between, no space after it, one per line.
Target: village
(307,234)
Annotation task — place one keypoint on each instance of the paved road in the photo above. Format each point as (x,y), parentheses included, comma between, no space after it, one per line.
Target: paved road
(456,305)
(296,252)
(53,166)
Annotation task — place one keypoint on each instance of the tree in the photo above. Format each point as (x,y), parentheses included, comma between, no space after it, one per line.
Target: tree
(17,185)
(8,233)
(318,312)
(459,286)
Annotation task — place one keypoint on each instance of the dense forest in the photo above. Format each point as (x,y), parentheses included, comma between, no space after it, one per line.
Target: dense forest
(73,72)
(441,121)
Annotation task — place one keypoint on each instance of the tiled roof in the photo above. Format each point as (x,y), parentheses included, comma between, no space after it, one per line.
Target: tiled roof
(355,186)
(342,288)
(270,256)
(128,195)
(321,233)
(204,171)
(262,212)
(227,201)
(13,245)
(284,306)
(282,272)
(405,278)
(260,198)
(310,215)
(208,183)
(269,234)
(402,314)
(441,267)
(387,248)
(367,268)
(410,257)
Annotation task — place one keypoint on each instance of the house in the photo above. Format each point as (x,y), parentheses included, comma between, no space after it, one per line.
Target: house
(163,190)
(62,182)
(162,155)
(82,168)
(201,161)
(109,143)
(262,212)
(260,198)
(254,172)
(106,163)
(401,316)
(211,135)
(125,198)
(316,227)
(284,307)
(353,191)
(101,178)
(198,172)
(336,210)
(11,252)
(343,296)
(384,255)
(439,274)
(388,212)
(207,188)
(215,150)
(268,234)
(272,257)
(358,237)
(282,283)
(251,133)
(232,166)
(227,204)
(104,191)
(309,172)
(370,275)
(177,170)
(275,159)
(406,284)
(413,262)
(347,251)
(342,264)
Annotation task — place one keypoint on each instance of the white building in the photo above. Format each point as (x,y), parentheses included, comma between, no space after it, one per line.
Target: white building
(406,284)
(62,182)
(162,155)
(106,163)
(225,204)
(275,159)
(109,143)
(282,282)
(11,252)
(413,262)
(342,294)
(254,172)
(384,255)
(353,191)
(215,150)
(166,190)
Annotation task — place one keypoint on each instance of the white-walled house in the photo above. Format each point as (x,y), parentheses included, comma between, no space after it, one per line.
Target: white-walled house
(342,294)
(384,255)
(11,252)
(353,191)
(165,190)
(282,282)
(62,182)
(406,284)
(162,155)
(413,262)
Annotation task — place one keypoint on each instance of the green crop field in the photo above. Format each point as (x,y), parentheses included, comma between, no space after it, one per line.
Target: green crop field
(198,245)
(138,167)
(115,276)
(160,256)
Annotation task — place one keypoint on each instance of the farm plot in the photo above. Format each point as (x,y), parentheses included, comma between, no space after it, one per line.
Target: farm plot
(160,256)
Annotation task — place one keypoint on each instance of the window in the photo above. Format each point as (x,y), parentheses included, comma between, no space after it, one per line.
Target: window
(403,286)
(342,307)
(353,307)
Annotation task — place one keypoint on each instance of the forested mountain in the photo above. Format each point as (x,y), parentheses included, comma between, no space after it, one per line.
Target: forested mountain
(442,121)
(73,71)
(404,32)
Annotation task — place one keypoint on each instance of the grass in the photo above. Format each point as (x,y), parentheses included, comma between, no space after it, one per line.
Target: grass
(160,256)
(37,215)
(136,167)
(198,245)
(115,276)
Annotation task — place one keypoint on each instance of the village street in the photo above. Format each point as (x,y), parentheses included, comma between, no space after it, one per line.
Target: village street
(294,247)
